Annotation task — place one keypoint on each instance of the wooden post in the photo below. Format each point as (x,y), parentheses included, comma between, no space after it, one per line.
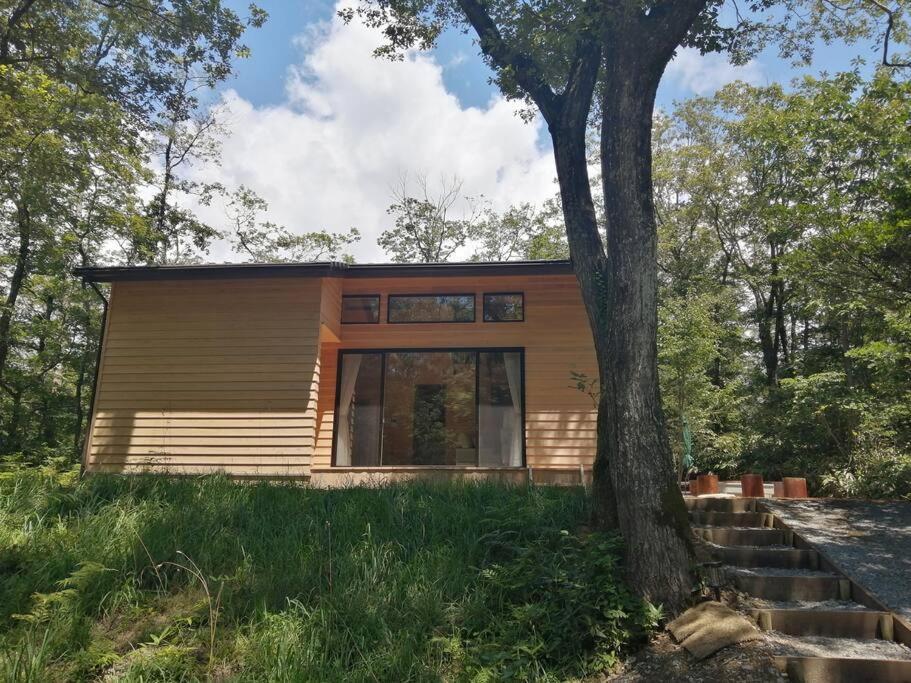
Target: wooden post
(795,487)
(751,486)
(706,484)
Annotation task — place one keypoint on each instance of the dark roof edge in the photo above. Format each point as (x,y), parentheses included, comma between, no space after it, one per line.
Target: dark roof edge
(216,271)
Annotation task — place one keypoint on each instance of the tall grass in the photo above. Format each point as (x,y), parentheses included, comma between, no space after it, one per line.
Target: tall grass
(415,581)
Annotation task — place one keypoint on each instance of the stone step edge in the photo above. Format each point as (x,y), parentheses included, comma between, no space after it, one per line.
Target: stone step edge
(843,669)
(714,520)
(760,587)
(752,557)
(874,624)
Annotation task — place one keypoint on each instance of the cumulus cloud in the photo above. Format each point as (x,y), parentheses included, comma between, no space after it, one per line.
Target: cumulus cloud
(704,74)
(351,125)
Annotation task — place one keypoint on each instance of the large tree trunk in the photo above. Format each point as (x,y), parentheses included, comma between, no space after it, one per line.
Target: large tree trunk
(651,513)
(589,264)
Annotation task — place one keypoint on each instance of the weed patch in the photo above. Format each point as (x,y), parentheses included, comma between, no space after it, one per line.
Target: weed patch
(149,578)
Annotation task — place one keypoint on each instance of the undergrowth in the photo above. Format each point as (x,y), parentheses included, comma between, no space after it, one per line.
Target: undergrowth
(155,579)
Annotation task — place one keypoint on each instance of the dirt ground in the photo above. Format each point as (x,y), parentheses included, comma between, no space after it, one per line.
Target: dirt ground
(665,661)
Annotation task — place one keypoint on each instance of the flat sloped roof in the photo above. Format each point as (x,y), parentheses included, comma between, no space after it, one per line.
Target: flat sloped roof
(214,271)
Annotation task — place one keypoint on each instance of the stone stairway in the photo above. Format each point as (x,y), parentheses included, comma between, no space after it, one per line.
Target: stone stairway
(822,627)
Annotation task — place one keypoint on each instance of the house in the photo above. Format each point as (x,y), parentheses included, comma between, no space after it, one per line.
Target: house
(335,373)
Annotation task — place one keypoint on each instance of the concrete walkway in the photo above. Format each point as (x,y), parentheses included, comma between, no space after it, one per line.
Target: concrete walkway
(869,541)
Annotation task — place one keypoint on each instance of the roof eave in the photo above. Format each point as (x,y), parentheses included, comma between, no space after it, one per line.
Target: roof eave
(321,269)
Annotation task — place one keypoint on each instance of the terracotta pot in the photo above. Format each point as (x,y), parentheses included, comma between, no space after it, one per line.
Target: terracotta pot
(795,487)
(751,486)
(706,484)
(778,489)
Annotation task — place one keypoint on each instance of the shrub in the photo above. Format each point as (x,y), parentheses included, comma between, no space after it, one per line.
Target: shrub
(554,605)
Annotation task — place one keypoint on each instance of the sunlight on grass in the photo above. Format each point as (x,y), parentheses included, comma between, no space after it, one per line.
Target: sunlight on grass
(148,578)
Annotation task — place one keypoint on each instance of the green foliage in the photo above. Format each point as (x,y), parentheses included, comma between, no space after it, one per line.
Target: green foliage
(425,230)
(543,38)
(785,329)
(521,232)
(559,604)
(689,340)
(266,242)
(402,582)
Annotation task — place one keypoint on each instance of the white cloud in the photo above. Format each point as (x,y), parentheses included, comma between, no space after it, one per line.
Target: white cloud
(704,74)
(353,124)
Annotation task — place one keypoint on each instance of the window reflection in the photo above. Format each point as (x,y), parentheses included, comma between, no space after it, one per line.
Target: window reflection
(430,408)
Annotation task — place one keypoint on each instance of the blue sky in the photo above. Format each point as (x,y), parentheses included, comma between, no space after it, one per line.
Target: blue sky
(326,134)
(261,79)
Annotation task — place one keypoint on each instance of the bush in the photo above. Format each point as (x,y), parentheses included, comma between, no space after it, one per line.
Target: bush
(554,606)
(882,473)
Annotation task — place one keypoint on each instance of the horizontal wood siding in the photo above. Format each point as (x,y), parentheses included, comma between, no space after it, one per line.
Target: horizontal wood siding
(331,305)
(209,375)
(560,419)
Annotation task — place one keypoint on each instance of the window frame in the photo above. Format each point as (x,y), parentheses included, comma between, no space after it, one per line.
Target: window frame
(477,350)
(484,306)
(379,307)
(474,308)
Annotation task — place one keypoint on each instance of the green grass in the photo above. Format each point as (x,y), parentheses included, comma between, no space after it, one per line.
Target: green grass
(148,578)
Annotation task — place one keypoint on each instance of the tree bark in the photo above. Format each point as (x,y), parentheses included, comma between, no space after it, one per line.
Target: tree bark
(767,340)
(48,421)
(11,438)
(589,264)
(20,270)
(651,512)
(78,409)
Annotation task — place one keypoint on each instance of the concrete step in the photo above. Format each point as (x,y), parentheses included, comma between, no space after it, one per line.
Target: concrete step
(721,504)
(785,558)
(753,537)
(797,588)
(859,624)
(741,519)
(844,670)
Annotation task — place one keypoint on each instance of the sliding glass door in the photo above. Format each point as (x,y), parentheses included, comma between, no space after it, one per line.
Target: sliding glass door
(430,408)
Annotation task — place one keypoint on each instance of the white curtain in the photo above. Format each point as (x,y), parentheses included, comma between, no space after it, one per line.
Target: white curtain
(513,426)
(351,365)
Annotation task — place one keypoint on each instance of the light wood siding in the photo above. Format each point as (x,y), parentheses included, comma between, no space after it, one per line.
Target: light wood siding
(560,419)
(330,315)
(206,375)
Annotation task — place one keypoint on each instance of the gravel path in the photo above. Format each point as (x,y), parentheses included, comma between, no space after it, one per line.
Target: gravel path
(871,542)
(819,646)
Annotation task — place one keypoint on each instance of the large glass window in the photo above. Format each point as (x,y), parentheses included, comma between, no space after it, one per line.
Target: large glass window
(430,408)
(431,308)
(429,416)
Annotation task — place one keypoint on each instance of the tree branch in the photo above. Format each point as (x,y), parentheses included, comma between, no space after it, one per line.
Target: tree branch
(670,21)
(527,73)
(14,19)
(890,24)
